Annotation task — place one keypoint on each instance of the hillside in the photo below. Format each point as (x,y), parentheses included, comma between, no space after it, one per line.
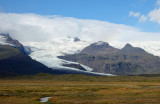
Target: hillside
(13,61)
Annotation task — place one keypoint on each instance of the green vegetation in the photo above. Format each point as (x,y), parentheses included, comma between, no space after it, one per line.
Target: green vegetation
(80,89)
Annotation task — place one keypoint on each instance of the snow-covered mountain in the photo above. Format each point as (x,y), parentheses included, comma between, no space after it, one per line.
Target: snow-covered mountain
(3,40)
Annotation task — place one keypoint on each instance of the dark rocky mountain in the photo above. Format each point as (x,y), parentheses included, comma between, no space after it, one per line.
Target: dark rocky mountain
(12,60)
(99,48)
(12,41)
(126,61)
(76,39)
(129,49)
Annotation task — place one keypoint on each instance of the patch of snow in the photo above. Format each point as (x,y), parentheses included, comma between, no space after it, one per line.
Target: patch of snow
(86,67)
(70,62)
(100,43)
(3,41)
(103,74)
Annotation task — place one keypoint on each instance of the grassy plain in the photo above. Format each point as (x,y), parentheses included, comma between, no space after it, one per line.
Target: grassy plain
(80,89)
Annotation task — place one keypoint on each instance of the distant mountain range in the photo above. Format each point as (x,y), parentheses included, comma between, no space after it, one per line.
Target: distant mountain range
(129,60)
(74,56)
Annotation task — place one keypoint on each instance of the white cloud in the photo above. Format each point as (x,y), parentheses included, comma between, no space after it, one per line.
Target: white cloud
(154,15)
(158,3)
(143,18)
(32,27)
(134,14)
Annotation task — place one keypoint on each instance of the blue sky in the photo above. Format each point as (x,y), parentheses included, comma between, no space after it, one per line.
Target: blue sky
(134,13)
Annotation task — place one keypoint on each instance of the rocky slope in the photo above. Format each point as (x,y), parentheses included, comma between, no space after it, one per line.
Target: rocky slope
(126,61)
(12,42)
(99,48)
(12,60)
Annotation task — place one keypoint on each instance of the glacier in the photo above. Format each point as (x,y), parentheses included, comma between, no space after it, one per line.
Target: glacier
(47,52)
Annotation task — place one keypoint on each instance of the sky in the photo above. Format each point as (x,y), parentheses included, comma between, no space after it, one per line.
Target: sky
(119,20)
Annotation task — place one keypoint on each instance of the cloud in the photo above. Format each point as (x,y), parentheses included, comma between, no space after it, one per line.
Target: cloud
(143,18)
(158,3)
(32,27)
(154,15)
(134,14)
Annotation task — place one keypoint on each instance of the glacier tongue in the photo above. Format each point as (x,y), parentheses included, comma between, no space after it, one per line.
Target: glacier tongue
(47,52)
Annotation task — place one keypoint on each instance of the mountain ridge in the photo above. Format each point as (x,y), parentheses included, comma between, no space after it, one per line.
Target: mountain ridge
(126,61)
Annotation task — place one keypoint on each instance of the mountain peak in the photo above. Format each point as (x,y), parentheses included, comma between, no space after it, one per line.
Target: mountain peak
(128,45)
(4,34)
(76,39)
(101,43)
(5,39)
(99,48)
(128,48)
